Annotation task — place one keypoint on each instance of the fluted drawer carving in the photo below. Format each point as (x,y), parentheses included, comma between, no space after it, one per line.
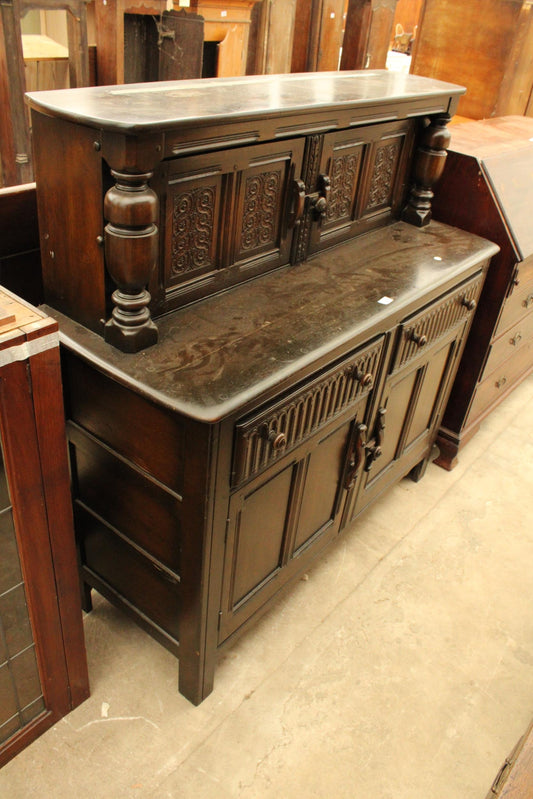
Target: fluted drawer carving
(272,433)
(425,328)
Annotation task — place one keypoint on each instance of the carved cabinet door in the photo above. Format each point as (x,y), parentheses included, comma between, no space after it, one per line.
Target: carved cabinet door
(361,175)
(410,408)
(277,521)
(224,218)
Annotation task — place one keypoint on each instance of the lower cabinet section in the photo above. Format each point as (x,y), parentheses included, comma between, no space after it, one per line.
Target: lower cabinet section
(192,517)
(277,521)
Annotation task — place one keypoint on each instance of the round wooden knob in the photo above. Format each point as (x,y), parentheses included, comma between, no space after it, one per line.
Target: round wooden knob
(469,304)
(278,440)
(420,341)
(365,379)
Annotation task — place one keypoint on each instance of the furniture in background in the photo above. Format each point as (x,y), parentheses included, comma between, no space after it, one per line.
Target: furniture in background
(487,188)
(15,145)
(486,46)
(368,31)
(20,255)
(282,370)
(43,669)
(225,24)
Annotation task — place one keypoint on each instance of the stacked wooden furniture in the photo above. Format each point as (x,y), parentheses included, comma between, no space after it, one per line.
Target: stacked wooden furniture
(255,345)
(43,669)
(487,188)
(487,46)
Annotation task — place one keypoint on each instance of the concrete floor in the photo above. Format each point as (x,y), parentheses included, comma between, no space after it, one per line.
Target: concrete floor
(400,668)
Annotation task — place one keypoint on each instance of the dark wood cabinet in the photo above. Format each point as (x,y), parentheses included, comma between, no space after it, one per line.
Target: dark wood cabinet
(487,188)
(307,337)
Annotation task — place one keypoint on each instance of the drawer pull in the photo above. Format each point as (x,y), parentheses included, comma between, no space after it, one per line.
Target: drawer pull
(365,379)
(528,302)
(501,382)
(470,305)
(419,340)
(516,339)
(277,440)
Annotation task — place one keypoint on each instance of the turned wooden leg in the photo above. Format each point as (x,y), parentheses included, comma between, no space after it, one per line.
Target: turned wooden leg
(429,163)
(131,243)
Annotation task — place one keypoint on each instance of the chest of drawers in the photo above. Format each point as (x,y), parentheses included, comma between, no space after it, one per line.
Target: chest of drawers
(487,188)
(307,335)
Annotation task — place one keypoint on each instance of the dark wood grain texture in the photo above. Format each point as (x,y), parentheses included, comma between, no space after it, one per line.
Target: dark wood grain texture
(306,338)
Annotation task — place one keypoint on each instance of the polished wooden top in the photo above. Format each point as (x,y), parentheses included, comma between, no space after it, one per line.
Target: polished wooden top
(218,354)
(167,104)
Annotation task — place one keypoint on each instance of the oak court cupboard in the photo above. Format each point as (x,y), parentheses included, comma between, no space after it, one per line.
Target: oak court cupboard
(259,324)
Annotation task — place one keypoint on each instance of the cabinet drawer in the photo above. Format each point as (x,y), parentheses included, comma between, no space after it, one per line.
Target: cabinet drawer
(270,434)
(498,384)
(510,343)
(435,321)
(520,300)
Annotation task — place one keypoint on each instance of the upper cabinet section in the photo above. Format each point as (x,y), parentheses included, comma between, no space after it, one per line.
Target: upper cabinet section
(182,189)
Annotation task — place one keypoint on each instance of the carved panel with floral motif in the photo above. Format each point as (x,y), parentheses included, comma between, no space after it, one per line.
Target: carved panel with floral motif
(382,182)
(344,174)
(193,216)
(261,208)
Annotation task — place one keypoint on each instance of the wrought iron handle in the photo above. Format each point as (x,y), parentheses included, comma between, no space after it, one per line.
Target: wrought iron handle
(374,451)
(356,455)
(296,202)
(320,199)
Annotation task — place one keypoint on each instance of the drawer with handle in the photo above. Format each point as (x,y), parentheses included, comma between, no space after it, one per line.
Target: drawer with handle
(426,327)
(287,422)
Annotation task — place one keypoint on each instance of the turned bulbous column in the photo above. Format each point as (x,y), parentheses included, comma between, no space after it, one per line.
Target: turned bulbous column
(131,247)
(429,161)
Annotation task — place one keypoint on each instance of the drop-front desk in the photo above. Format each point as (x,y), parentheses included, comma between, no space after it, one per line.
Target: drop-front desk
(260,327)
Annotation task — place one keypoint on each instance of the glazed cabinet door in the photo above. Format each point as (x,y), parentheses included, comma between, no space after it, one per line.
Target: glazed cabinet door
(294,464)
(224,218)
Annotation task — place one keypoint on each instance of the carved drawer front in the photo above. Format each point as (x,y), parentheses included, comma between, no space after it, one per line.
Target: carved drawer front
(520,300)
(224,217)
(269,435)
(421,330)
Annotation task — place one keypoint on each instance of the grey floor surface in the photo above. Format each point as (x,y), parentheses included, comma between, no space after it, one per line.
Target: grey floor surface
(400,667)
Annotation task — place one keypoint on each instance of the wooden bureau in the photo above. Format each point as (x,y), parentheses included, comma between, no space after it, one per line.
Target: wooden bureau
(296,347)
(487,188)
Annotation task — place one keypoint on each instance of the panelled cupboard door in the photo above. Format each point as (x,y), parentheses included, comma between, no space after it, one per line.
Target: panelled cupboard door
(362,175)
(225,218)
(409,411)
(282,516)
